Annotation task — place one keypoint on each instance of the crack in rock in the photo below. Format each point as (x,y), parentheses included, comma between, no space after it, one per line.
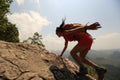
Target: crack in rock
(19,61)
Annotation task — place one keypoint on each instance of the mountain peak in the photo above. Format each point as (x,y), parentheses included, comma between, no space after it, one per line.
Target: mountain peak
(20,61)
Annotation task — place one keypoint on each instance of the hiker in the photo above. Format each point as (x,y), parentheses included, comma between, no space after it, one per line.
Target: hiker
(78,32)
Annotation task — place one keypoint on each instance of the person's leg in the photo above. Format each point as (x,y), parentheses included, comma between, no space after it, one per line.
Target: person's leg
(74,55)
(87,61)
(100,71)
(77,58)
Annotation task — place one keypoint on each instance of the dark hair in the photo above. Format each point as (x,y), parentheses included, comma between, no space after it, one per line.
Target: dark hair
(61,27)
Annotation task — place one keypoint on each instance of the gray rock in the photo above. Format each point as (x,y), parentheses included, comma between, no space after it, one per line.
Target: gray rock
(20,61)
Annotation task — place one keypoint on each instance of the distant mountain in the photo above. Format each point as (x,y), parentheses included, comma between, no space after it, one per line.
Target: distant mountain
(115,55)
(110,59)
(96,53)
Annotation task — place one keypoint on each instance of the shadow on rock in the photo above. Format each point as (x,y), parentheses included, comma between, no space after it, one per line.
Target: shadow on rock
(62,74)
(66,74)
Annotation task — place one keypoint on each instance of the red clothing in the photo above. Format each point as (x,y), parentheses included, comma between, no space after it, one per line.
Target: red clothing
(84,39)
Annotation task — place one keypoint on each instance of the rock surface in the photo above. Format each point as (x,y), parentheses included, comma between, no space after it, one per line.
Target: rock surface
(20,61)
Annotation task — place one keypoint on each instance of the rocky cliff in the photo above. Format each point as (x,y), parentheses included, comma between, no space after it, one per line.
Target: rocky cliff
(20,61)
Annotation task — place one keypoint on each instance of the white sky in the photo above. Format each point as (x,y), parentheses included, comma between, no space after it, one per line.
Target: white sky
(44,16)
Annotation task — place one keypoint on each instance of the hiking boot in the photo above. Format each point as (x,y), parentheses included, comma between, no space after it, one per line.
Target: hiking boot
(100,72)
(83,70)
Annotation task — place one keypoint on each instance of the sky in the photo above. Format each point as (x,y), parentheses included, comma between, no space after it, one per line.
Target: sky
(44,16)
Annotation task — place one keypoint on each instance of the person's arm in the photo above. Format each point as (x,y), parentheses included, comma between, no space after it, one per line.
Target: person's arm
(93,26)
(65,47)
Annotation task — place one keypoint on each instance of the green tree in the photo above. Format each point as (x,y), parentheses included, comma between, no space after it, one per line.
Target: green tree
(36,39)
(8,31)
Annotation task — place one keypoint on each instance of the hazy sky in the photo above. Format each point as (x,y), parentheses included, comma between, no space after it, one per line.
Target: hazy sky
(44,16)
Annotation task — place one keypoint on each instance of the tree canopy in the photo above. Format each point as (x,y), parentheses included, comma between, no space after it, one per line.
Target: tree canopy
(8,31)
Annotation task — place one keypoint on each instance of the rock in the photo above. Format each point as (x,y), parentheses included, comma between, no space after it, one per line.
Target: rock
(20,61)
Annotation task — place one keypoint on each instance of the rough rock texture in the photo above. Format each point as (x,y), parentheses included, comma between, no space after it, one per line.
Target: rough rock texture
(20,61)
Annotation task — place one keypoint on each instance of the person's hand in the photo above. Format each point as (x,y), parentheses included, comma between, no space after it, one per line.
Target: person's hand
(95,26)
(61,54)
(58,57)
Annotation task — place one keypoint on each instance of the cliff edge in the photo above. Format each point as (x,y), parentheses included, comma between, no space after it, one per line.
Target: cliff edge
(20,61)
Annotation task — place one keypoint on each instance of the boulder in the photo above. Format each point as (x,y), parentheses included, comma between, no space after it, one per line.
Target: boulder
(21,61)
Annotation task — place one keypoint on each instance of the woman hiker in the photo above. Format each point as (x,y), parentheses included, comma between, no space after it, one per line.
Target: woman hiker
(78,32)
